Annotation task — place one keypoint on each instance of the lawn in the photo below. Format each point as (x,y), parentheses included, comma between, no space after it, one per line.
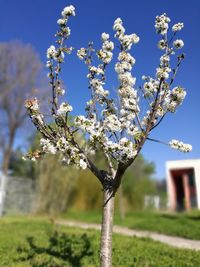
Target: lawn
(71,247)
(178,224)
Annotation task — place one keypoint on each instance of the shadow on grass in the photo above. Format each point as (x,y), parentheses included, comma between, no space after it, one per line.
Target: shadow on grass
(193,217)
(181,216)
(169,216)
(61,251)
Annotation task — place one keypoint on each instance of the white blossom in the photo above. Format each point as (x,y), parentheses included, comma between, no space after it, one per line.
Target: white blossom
(163,73)
(100,91)
(128,40)
(32,104)
(81,53)
(64,108)
(133,130)
(178,94)
(85,124)
(126,57)
(112,123)
(83,164)
(96,70)
(127,79)
(62,144)
(67,31)
(174,98)
(105,56)
(61,21)
(105,36)
(48,64)
(127,149)
(160,111)
(149,87)
(47,146)
(60,91)
(164,59)
(178,44)
(122,67)
(125,121)
(68,11)
(51,52)
(162,45)
(108,45)
(118,27)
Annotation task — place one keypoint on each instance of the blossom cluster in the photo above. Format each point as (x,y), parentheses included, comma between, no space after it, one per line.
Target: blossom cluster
(127,93)
(178,145)
(82,53)
(158,87)
(56,55)
(105,129)
(121,150)
(150,86)
(47,146)
(174,99)
(60,139)
(70,154)
(177,27)
(126,40)
(162,24)
(105,54)
(32,106)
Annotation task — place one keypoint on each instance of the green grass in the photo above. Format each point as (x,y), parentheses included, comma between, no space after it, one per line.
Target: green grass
(183,224)
(127,251)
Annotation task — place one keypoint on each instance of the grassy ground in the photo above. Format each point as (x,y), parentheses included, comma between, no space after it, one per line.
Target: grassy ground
(45,252)
(183,224)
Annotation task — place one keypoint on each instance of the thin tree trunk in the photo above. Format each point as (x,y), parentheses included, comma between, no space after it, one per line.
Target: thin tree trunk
(5,165)
(7,152)
(6,160)
(106,230)
(121,203)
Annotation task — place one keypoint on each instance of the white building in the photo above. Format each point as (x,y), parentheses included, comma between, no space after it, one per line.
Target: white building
(183,184)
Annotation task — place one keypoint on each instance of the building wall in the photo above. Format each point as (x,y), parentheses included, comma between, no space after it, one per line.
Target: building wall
(19,195)
(178,165)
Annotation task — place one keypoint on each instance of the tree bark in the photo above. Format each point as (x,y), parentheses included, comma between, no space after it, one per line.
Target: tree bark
(106,229)
(121,203)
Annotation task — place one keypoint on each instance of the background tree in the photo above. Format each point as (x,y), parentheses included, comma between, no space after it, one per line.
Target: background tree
(20,168)
(138,182)
(84,184)
(55,186)
(59,188)
(20,75)
(119,132)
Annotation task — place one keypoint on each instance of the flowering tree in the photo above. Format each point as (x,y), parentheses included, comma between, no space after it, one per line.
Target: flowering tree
(118,129)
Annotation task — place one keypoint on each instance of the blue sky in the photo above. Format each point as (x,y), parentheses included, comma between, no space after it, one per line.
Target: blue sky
(35,22)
